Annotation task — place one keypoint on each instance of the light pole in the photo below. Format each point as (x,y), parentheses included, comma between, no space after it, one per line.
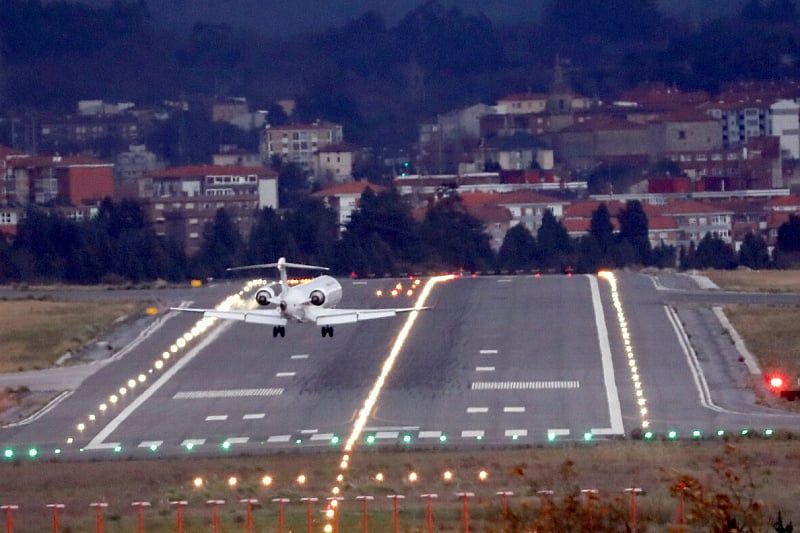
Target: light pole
(505,494)
(633,491)
(99,506)
(55,507)
(429,510)
(249,502)
(545,494)
(280,502)
(179,505)
(9,519)
(309,517)
(364,500)
(140,506)
(396,498)
(466,496)
(215,517)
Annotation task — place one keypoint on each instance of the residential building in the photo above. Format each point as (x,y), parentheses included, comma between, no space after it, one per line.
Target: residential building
(785,124)
(334,163)
(297,143)
(181,200)
(344,198)
(56,180)
(130,167)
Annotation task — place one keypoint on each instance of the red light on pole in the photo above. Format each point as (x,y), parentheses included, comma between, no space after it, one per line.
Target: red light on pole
(215,517)
(465,496)
(776,382)
(309,517)
(396,498)
(280,502)
(9,519)
(141,506)
(99,506)
(179,505)
(505,494)
(365,499)
(55,507)
(249,502)
(429,511)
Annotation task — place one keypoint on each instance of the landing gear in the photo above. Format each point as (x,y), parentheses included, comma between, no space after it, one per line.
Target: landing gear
(278,330)
(327,331)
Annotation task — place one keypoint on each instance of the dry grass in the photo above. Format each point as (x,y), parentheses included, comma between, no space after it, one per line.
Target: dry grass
(35,333)
(756,280)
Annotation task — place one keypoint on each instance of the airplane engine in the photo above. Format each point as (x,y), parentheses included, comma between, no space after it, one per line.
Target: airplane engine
(317,297)
(264,295)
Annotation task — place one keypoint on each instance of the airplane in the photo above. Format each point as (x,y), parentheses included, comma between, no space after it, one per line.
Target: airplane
(313,301)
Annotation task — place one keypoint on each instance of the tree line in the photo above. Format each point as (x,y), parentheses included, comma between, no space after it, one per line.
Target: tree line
(119,245)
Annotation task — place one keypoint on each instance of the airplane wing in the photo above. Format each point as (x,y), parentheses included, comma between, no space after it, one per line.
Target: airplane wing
(255,316)
(332,316)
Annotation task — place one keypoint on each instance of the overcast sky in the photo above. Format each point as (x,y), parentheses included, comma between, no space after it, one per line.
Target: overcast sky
(281,17)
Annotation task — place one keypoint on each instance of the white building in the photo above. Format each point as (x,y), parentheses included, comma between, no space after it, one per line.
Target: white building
(785,123)
(297,143)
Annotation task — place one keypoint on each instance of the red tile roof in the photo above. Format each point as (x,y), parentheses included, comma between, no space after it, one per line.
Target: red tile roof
(200,171)
(792,200)
(685,207)
(350,188)
(490,213)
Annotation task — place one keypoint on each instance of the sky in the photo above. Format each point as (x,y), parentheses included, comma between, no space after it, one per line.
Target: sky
(281,18)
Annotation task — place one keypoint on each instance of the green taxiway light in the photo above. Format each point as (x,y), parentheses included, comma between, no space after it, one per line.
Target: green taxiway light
(720,433)
(745,432)
(648,435)
(57,451)
(153,447)
(672,434)
(117,448)
(769,432)
(551,436)
(697,434)
(189,446)
(588,436)
(335,440)
(443,438)
(8,453)
(407,439)
(370,439)
(33,452)
(226,445)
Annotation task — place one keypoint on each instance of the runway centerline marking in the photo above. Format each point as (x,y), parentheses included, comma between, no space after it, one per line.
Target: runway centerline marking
(488,352)
(216,418)
(471,410)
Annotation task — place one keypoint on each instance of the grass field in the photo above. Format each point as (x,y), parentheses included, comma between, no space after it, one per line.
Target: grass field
(750,477)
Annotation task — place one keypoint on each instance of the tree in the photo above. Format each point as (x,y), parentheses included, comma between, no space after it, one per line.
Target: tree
(753,252)
(633,229)
(221,247)
(789,235)
(602,230)
(387,215)
(553,242)
(713,252)
(452,238)
(518,249)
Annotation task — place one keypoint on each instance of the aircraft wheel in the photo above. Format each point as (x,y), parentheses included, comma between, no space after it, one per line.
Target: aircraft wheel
(330,331)
(274,331)
(282,331)
(324,331)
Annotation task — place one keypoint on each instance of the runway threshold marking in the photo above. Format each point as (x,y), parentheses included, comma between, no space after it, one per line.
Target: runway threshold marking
(229,393)
(524,385)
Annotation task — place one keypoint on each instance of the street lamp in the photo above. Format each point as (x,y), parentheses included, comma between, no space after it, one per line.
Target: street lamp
(310,518)
(429,511)
(99,506)
(466,496)
(55,507)
(215,519)
(280,502)
(505,494)
(396,498)
(9,519)
(179,505)
(140,506)
(365,499)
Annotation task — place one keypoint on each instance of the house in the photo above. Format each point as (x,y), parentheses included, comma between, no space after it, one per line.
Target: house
(345,197)
(334,163)
(73,180)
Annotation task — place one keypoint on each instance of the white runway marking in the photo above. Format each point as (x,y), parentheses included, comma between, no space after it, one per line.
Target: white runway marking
(612,395)
(484,369)
(322,436)
(238,440)
(516,433)
(472,434)
(430,434)
(488,352)
(216,418)
(558,432)
(193,442)
(150,443)
(279,438)
(387,435)
(504,280)
(300,356)
(513,409)
(308,431)
(524,385)
(254,416)
(230,393)
(472,410)
(285,374)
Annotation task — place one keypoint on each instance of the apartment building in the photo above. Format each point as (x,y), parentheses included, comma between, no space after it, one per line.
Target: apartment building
(297,143)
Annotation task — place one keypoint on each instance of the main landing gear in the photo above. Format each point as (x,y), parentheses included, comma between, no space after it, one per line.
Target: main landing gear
(278,330)
(327,331)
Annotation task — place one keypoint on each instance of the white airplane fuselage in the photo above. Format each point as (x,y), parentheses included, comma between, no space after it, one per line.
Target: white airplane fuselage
(322,291)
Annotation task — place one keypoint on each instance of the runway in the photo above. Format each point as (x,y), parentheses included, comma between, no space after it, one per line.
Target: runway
(499,361)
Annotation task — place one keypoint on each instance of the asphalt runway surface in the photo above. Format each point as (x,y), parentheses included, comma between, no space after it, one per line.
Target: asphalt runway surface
(499,361)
